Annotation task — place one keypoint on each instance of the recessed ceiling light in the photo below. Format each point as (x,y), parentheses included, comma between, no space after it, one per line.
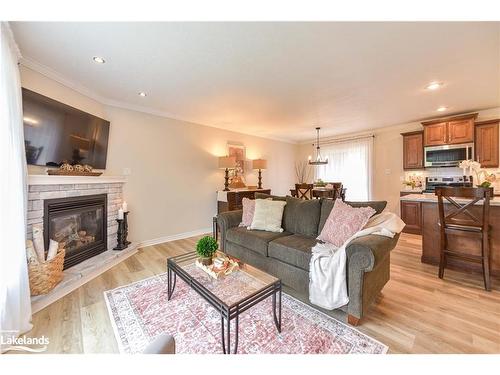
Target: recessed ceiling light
(442,109)
(143,94)
(433,85)
(98,60)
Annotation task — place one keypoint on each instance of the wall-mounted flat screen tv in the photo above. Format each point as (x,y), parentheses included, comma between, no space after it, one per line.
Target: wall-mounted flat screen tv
(55,132)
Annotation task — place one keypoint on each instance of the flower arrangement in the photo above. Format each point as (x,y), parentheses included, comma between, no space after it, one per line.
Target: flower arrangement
(320,183)
(474,166)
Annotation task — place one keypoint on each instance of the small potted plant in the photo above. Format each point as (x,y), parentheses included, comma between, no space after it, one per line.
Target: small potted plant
(206,248)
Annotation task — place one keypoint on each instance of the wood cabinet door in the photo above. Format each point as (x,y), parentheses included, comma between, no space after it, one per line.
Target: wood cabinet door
(413,151)
(435,134)
(486,144)
(411,214)
(461,131)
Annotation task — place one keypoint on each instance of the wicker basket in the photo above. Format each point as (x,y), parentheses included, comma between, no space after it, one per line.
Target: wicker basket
(45,276)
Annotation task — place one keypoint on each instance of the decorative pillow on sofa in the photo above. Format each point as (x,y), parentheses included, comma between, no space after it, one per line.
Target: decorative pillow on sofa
(248,212)
(268,215)
(343,222)
(302,216)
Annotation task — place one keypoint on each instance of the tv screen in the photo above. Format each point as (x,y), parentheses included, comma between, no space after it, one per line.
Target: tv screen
(55,132)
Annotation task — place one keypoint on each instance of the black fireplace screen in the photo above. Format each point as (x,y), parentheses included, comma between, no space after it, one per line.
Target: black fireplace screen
(80,223)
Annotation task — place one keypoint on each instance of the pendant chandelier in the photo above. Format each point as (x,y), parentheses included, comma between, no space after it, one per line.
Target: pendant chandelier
(318,160)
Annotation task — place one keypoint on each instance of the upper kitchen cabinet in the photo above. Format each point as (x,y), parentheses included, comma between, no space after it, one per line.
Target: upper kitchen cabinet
(435,134)
(413,150)
(486,143)
(451,130)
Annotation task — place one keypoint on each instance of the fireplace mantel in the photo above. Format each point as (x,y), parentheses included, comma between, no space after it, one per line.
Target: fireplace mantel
(43,179)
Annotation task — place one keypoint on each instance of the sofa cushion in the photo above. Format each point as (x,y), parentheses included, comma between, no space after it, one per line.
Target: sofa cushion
(256,240)
(268,215)
(294,250)
(344,221)
(327,205)
(302,216)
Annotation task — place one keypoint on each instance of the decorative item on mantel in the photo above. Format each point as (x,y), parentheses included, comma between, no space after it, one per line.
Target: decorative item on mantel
(66,169)
(227,163)
(259,164)
(122,232)
(481,174)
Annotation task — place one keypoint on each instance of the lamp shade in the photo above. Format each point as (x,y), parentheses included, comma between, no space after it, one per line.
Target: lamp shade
(227,162)
(259,164)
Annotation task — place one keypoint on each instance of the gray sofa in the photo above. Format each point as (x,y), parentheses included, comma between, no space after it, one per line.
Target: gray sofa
(286,255)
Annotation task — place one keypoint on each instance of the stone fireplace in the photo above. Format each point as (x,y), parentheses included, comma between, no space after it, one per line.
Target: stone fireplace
(81,211)
(80,223)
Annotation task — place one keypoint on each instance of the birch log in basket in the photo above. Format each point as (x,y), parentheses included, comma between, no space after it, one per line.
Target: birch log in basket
(45,276)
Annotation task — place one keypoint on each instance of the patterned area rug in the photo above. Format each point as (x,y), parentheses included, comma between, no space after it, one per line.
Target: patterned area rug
(140,311)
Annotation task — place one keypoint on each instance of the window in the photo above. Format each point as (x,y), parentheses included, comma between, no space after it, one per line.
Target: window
(349,162)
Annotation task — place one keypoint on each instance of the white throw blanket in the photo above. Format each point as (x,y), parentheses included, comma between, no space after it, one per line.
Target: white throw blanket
(327,272)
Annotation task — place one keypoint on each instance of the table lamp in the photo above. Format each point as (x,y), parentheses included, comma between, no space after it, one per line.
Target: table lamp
(259,164)
(227,163)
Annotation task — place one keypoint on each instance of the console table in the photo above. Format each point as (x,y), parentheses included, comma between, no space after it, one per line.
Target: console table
(232,201)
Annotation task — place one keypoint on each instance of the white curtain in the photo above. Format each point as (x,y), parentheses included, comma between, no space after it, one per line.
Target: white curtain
(15,304)
(349,162)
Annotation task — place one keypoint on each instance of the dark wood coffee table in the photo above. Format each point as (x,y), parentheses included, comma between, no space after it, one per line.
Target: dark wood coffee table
(231,295)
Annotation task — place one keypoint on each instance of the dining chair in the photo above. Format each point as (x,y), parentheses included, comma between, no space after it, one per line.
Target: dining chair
(304,191)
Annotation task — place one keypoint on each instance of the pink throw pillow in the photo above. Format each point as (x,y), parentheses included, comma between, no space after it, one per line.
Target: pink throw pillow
(343,222)
(248,212)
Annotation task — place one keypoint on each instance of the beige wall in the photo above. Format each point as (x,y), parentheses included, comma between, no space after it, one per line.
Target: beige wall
(388,158)
(171,189)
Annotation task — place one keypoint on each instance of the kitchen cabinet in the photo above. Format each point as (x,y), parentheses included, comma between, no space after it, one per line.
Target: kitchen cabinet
(413,150)
(435,134)
(487,143)
(411,214)
(461,131)
(451,130)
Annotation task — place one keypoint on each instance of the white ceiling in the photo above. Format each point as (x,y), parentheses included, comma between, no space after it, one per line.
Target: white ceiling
(277,80)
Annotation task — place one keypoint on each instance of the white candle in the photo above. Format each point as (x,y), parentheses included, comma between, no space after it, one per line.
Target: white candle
(120,214)
(124,206)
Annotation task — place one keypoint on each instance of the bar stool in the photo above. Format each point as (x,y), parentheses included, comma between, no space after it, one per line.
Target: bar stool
(459,220)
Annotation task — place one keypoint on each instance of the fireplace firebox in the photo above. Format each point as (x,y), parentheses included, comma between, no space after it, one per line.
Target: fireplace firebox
(80,223)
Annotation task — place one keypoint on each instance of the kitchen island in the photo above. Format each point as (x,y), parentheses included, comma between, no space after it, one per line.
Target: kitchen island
(431,234)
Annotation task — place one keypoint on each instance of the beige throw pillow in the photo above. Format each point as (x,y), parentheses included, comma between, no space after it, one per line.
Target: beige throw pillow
(268,215)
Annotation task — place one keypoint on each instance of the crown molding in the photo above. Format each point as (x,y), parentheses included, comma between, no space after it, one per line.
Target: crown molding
(56,76)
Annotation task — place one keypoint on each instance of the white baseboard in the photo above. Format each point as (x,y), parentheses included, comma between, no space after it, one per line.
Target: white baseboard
(175,237)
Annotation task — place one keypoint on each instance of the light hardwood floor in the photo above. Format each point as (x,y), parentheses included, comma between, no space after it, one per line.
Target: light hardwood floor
(416,313)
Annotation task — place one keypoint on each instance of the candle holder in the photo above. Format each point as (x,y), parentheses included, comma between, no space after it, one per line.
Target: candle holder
(125,228)
(120,236)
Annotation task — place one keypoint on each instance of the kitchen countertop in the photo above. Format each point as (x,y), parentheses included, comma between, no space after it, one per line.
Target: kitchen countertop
(431,198)
(415,191)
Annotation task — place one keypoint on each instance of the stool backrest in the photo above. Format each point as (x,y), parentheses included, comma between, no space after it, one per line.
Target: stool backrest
(460,210)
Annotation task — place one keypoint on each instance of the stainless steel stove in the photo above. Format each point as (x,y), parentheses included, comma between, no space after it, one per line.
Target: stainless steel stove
(431,183)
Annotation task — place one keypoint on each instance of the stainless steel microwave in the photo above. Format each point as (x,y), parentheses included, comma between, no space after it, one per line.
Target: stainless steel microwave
(448,155)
